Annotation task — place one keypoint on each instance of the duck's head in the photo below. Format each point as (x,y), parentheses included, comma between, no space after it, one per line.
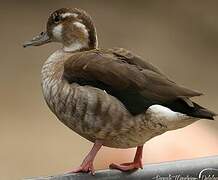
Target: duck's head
(71,27)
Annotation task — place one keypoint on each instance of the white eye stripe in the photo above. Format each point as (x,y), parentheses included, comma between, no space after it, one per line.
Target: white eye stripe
(79,25)
(69,14)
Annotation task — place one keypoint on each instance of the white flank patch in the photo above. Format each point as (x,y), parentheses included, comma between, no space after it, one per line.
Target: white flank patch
(164,113)
(82,27)
(69,14)
(57,32)
(171,119)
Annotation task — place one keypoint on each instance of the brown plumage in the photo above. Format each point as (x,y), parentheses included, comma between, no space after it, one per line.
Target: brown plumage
(129,71)
(110,97)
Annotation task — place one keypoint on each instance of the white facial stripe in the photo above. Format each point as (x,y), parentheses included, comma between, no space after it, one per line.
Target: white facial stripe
(57,32)
(77,44)
(69,14)
(82,27)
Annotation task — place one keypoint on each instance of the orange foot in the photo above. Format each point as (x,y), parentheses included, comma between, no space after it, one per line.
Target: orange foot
(127,166)
(136,164)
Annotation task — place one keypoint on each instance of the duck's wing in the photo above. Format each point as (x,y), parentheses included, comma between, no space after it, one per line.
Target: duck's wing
(135,82)
(134,59)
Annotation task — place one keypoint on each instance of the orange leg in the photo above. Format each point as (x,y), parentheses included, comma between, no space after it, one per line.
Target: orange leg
(137,163)
(87,164)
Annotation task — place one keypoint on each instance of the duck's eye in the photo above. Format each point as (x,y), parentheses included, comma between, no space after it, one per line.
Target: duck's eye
(57,19)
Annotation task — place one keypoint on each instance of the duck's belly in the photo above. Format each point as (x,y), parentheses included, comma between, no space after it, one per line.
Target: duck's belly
(132,138)
(112,135)
(95,115)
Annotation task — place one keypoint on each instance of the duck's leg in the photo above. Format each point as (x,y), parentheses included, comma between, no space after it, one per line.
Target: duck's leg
(137,163)
(87,164)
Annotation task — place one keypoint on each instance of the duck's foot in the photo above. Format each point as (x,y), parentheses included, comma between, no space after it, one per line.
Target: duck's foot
(85,168)
(87,164)
(127,166)
(136,164)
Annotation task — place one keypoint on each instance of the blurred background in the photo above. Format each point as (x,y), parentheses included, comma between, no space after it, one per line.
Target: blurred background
(178,36)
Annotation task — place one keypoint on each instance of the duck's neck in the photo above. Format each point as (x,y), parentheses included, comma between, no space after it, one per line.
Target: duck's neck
(76,46)
(54,66)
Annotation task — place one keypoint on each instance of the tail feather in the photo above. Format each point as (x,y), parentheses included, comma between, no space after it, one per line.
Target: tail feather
(202,112)
(196,110)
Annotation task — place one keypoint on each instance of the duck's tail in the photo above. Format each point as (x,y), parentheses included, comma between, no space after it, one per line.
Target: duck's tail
(191,109)
(201,112)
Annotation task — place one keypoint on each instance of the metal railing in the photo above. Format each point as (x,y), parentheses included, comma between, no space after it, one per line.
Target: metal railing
(201,168)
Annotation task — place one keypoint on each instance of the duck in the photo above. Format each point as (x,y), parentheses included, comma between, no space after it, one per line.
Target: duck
(111,97)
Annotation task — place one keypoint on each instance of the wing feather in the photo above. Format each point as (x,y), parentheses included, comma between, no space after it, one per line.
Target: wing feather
(124,74)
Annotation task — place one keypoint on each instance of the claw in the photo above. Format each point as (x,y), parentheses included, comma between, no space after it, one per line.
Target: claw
(85,168)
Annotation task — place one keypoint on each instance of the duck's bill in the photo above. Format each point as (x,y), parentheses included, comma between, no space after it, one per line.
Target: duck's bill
(39,40)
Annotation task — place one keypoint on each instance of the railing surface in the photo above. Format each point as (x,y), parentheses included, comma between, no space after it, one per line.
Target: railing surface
(201,168)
